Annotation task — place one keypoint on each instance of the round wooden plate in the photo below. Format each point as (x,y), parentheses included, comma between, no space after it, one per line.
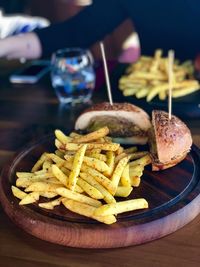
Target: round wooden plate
(173,196)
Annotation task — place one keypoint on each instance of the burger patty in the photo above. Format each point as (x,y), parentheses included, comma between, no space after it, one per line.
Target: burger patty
(118,127)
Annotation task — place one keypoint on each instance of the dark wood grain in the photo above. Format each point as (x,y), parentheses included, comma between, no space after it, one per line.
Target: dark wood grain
(173,196)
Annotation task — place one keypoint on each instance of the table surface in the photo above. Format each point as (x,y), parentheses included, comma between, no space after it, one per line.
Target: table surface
(28,112)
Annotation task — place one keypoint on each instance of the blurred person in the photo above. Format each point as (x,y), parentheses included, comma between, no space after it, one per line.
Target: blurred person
(159,24)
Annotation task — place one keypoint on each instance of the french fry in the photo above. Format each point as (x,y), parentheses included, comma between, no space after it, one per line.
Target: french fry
(103,146)
(102,179)
(59,175)
(185,91)
(60,145)
(125,177)
(141,161)
(101,157)
(110,162)
(135,180)
(137,155)
(62,137)
(130,150)
(18,193)
(64,192)
(123,206)
(130,91)
(162,95)
(48,194)
(39,163)
(119,150)
(55,158)
(155,62)
(96,164)
(136,168)
(46,205)
(42,186)
(30,198)
(51,204)
(96,153)
(41,176)
(24,174)
(149,76)
(46,165)
(106,194)
(40,172)
(94,150)
(156,90)
(77,189)
(120,156)
(89,189)
(74,135)
(123,191)
(118,172)
(87,210)
(25,182)
(92,136)
(91,180)
(142,92)
(135,174)
(77,162)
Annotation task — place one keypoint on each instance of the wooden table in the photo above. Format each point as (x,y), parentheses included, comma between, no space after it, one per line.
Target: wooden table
(28,112)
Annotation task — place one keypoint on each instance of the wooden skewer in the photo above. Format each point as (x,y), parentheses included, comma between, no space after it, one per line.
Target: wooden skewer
(106,73)
(170,81)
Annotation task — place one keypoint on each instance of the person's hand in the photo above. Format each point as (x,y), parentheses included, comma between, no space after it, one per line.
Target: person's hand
(21,46)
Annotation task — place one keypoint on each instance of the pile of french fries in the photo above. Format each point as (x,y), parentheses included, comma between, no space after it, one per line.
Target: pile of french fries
(148,78)
(86,174)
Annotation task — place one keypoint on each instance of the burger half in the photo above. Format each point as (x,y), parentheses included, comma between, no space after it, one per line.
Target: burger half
(127,123)
(169,140)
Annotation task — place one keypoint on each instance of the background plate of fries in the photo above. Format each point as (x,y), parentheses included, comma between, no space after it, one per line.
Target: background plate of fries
(145,83)
(61,190)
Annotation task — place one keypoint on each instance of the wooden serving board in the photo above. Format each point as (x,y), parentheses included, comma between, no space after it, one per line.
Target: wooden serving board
(173,196)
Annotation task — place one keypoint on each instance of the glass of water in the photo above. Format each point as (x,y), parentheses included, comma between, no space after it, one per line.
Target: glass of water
(72,75)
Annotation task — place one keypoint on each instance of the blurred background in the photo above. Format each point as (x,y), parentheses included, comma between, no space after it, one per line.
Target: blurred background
(59,10)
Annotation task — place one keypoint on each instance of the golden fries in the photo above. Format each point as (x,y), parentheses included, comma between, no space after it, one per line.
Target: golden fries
(50,205)
(148,77)
(84,173)
(30,198)
(118,172)
(18,193)
(123,206)
(87,210)
(76,167)
(64,192)
(92,136)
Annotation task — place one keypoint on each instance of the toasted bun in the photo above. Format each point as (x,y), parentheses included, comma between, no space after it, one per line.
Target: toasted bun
(173,139)
(123,110)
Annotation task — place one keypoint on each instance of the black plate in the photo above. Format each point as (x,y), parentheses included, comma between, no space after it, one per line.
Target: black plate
(184,107)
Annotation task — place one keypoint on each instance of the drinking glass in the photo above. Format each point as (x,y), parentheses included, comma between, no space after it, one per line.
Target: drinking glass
(72,75)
